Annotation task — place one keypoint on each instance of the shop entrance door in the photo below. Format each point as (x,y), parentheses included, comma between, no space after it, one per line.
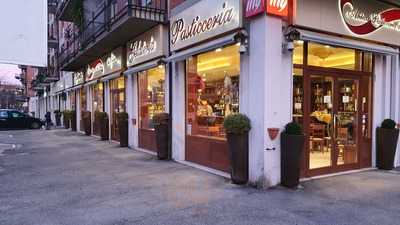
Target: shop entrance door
(336,127)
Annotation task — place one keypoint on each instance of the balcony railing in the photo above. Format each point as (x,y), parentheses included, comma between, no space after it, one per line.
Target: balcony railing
(109,15)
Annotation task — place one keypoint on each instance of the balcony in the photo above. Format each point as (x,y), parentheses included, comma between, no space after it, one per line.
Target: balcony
(64,10)
(113,25)
(52,6)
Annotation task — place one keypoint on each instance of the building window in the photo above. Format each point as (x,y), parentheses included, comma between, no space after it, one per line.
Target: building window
(212,90)
(151,95)
(98,97)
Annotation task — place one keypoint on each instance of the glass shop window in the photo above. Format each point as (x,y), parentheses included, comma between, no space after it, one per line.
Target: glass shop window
(212,90)
(151,95)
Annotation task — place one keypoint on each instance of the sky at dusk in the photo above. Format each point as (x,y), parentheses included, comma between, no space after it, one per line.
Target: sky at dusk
(8,72)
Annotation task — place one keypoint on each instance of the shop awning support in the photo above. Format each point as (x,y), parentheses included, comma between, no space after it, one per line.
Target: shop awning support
(306,35)
(227,40)
(144,66)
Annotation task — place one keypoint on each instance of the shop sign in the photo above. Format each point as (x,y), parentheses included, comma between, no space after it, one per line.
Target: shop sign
(278,7)
(150,45)
(368,19)
(254,7)
(78,78)
(105,65)
(362,22)
(204,20)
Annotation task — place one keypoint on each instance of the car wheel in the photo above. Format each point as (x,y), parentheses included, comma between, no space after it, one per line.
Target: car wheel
(35,125)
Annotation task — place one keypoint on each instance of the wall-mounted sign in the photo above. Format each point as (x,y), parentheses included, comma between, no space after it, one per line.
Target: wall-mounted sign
(254,7)
(278,7)
(105,65)
(365,22)
(78,78)
(368,19)
(204,20)
(150,45)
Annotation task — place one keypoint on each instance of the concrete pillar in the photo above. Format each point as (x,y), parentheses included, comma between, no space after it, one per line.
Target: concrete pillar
(266,97)
(178,114)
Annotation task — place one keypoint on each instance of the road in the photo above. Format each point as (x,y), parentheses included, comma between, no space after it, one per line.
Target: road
(59,177)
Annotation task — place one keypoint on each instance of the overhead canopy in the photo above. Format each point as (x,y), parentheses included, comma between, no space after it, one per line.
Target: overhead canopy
(306,35)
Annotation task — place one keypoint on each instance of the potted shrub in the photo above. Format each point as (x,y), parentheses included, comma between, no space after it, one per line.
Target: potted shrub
(237,127)
(161,125)
(123,128)
(292,145)
(67,118)
(87,122)
(102,119)
(387,136)
(73,120)
(57,115)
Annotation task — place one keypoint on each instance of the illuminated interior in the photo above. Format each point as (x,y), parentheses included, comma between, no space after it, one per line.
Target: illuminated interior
(98,104)
(151,95)
(333,102)
(332,57)
(212,90)
(118,94)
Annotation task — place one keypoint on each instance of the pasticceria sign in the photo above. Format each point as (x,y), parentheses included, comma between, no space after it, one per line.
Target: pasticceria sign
(204,20)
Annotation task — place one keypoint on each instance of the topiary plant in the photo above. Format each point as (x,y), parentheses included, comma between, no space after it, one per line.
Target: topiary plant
(122,116)
(388,124)
(293,128)
(237,124)
(99,116)
(67,114)
(161,118)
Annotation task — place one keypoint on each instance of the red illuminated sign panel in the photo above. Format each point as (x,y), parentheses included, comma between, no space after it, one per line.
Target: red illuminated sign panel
(278,7)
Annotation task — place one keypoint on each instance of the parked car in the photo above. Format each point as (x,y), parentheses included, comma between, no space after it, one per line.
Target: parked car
(14,119)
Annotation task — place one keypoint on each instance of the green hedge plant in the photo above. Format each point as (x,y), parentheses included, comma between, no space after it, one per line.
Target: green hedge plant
(237,124)
(122,116)
(293,128)
(388,124)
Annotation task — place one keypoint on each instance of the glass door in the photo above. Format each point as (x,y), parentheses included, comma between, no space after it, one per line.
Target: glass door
(332,125)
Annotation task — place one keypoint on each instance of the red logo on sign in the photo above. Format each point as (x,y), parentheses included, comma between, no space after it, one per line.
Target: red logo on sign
(254,7)
(362,23)
(278,7)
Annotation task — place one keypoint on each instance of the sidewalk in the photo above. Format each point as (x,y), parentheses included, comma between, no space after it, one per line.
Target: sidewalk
(60,177)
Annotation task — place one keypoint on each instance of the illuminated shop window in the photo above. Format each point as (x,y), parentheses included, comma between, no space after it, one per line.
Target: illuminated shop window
(98,97)
(212,90)
(118,95)
(151,95)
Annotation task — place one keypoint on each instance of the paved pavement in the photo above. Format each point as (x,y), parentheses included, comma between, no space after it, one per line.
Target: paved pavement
(62,178)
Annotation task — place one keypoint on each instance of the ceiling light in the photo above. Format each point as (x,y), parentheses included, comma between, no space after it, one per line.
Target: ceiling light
(218,50)
(238,44)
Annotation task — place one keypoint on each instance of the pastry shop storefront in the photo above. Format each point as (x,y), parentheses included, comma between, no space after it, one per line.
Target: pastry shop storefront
(147,85)
(206,68)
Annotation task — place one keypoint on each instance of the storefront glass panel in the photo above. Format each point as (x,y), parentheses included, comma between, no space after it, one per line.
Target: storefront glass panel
(151,85)
(332,100)
(98,105)
(83,105)
(212,93)
(117,94)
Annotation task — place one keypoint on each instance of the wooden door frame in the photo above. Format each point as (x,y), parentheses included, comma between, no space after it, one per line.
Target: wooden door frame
(335,74)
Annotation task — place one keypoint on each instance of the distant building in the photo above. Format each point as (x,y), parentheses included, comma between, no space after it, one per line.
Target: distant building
(11,96)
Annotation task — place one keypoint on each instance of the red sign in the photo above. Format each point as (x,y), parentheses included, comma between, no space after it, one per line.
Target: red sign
(362,23)
(254,7)
(278,7)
